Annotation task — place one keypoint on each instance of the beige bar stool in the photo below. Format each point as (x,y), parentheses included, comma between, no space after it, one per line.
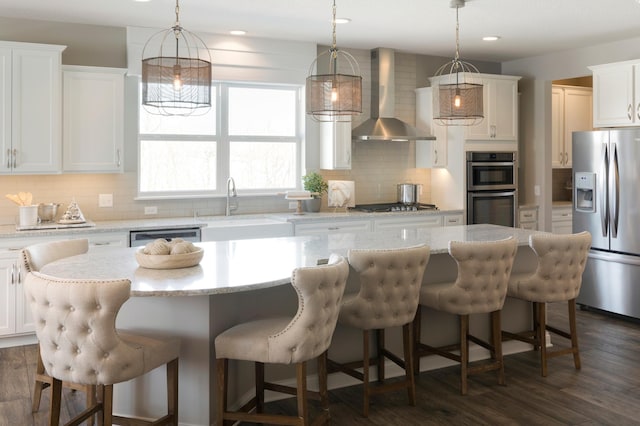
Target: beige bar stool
(33,258)
(390,282)
(480,287)
(558,278)
(286,341)
(75,325)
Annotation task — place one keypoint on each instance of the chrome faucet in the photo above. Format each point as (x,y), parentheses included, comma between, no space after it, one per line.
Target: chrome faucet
(231,192)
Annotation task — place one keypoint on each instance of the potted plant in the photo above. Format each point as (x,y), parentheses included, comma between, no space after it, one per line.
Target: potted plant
(314,183)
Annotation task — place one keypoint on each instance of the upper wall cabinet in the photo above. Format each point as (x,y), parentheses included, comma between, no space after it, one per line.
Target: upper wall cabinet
(571,111)
(93,119)
(500,104)
(429,153)
(335,145)
(616,94)
(30,106)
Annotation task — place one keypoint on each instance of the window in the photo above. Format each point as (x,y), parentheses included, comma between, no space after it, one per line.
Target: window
(252,133)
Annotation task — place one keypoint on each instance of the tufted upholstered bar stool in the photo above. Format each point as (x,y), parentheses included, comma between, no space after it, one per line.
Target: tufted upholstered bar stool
(33,258)
(480,287)
(286,340)
(558,278)
(390,282)
(75,325)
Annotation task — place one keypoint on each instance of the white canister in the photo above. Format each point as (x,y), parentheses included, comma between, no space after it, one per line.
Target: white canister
(28,215)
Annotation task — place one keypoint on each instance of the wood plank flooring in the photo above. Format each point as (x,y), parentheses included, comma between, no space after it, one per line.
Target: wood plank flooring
(605,392)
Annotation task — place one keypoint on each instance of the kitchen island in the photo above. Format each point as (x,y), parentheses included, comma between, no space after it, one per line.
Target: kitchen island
(242,279)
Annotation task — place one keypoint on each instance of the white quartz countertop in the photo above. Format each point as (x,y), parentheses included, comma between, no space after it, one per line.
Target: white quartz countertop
(243,265)
(10,231)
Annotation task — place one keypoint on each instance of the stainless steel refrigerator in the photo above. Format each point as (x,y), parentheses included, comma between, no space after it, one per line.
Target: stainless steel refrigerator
(606,202)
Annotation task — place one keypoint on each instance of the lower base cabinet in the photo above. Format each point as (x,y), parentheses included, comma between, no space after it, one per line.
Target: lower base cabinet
(562,220)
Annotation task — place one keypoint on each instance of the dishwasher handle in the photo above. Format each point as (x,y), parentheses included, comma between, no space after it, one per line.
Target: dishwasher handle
(141,238)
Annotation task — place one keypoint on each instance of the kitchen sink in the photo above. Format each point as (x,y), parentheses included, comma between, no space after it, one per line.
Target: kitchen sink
(238,228)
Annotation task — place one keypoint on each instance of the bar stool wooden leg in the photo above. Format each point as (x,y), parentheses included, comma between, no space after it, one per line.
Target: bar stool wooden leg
(259,372)
(56,400)
(417,329)
(541,336)
(323,389)
(222,366)
(301,392)
(496,337)
(39,385)
(407,340)
(464,352)
(365,371)
(574,333)
(172,391)
(536,325)
(380,350)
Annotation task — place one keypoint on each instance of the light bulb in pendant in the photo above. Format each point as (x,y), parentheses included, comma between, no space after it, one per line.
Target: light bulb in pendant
(177,78)
(457,99)
(334,92)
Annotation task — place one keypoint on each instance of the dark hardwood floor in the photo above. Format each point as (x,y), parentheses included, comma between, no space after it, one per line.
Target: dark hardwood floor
(605,392)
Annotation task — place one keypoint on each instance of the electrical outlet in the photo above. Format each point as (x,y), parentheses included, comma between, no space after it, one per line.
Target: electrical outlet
(105,200)
(150,210)
(536,190)
(293,204)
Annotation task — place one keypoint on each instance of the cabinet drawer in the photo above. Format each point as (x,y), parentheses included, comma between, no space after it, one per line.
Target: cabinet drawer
(333,227)
(453,220)
(406,222)
(528,215)
(564,213)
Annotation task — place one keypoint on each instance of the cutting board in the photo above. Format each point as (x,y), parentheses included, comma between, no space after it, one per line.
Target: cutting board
(341,193)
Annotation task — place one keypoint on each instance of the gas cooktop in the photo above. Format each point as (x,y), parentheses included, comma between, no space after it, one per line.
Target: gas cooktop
(393,207)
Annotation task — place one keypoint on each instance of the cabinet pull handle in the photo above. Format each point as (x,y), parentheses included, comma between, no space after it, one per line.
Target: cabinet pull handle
(436,155)
(333,228)
(118,157)
(527,215)
(13,274)
(15,155)
(493,130)
(561,158)
(629,112)
(8,158)
(19,274)
(638,111)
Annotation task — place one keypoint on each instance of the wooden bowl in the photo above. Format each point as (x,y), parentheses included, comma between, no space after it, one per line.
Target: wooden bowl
(169,261)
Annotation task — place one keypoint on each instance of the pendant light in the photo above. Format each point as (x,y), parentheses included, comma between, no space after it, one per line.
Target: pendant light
(457,98)
(177,80)
(334,96)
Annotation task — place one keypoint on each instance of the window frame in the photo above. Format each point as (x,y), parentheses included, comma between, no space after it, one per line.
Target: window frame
(223,144)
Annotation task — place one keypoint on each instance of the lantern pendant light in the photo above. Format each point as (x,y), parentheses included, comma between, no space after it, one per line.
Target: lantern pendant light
(177,80)
(458,96)
(334,96)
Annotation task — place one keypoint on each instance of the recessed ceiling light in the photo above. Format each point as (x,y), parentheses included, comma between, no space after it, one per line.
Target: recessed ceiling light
(237,32)
(342,20)
(491,38)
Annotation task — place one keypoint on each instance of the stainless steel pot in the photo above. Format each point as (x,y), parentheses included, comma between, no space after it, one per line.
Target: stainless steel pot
(408,193)
(47,211)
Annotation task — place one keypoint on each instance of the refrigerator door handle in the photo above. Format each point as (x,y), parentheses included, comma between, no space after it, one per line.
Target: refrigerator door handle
(614,191)
(602,190)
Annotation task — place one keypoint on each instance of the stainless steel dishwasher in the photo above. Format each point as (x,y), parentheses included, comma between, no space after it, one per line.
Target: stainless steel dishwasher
(141,237)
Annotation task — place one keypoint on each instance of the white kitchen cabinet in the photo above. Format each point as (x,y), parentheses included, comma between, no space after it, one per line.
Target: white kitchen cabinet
(572,110)
(452,220)
(399,222)
(15,314)
(528,217)
(103,240)
(30,99)
(429,153)
(616,94)
(335,145)
(93,119)
(332,227)
(562,220)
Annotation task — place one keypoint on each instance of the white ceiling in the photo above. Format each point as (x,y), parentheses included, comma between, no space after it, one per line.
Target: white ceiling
(527,27)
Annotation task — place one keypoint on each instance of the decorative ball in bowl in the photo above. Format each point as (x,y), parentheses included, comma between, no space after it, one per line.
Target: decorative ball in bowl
(174,254)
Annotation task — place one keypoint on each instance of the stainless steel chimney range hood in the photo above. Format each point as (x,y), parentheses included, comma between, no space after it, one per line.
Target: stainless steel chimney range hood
(383,126)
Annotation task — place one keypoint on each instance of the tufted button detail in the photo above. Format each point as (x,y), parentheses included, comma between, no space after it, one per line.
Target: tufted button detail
(72,309)
(105,355)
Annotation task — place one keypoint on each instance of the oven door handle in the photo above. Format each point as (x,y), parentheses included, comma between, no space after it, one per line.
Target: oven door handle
(492,163)
(475,194)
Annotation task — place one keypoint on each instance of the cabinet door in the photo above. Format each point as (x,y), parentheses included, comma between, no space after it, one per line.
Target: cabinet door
(5,110)
(423,221)
(7,297)
(93,119)
(36,110)
(557,128)
(500,111)
(613,90)
(335,145)
(429,153)
(578,107)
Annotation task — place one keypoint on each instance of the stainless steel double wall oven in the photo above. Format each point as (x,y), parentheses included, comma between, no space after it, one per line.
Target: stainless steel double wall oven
(492,188)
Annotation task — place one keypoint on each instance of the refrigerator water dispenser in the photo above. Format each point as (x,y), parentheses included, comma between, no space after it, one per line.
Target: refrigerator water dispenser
(585,187)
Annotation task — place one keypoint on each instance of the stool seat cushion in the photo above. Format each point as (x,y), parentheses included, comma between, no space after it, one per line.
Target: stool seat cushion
(249,341)
(155,352)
